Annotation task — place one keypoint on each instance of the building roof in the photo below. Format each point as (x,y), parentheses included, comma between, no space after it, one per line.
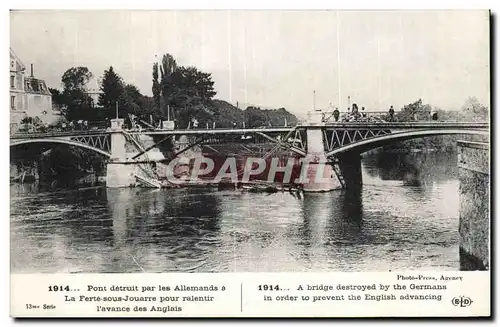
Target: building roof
(31,84)
(19,63)
(35,85)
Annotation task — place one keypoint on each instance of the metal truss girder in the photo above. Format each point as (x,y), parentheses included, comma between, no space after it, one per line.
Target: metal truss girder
(101,142)
(342,137)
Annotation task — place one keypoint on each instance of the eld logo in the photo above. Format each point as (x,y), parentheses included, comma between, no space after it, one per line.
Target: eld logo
(461,301)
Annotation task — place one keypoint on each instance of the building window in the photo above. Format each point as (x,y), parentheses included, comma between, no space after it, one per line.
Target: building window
(12,81)
(13,102)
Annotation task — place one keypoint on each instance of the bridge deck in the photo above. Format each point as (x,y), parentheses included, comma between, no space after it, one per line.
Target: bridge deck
(409,125)
(335,125)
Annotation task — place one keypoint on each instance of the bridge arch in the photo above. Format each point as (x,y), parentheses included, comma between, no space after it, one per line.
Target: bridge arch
(375,142)
(60,141)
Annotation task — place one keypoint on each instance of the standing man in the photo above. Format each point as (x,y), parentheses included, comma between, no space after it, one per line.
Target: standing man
(391,114)
(336,114)
(355,111)
(363,113)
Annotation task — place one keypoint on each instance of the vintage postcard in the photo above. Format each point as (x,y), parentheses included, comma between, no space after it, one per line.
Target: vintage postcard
(249,163)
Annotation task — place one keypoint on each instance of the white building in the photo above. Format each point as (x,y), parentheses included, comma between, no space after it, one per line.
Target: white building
(29,96)
(93,90)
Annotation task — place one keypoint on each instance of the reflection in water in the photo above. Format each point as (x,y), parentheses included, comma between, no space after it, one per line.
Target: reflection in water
(388,224)
(414,169)
(182,224)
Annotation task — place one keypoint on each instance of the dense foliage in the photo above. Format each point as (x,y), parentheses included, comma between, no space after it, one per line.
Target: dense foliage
(180,93)
(73,100)
(183,94)
(111,88)
(227,115)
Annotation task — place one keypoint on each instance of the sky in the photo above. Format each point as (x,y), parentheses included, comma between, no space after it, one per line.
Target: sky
(292,59)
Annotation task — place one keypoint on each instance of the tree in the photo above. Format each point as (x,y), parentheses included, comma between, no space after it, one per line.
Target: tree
(414,111)
(474,108)
(162,83)
(192,85)
(190,93)
(131,100)
(156,88)
(255,117)
(74,95)
(167,69)
(225,114)
(58,98)
(112,89)
(185,90)
(76,78)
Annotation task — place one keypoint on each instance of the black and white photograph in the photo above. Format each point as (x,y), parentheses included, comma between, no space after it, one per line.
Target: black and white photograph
(221,141)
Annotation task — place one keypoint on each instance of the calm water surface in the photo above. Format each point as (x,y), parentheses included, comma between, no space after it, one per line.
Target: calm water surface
(405,217)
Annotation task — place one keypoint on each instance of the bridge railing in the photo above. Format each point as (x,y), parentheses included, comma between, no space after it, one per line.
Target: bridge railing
(339,124)
(409,125)
(363,116)
(57,133)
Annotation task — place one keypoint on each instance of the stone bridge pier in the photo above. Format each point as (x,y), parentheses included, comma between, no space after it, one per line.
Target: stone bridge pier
(325,174)
(131,155)
(119,172)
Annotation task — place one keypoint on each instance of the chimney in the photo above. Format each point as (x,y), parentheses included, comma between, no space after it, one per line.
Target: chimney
(32,70)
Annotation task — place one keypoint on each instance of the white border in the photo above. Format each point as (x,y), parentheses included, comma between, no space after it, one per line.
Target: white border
(190,4)
(256,4)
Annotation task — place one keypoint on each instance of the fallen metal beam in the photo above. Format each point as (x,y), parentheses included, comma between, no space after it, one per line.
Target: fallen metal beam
(292,148)
(212,148)
(136,143)
(146,123)
(273,150)
(151,147)
(189,147)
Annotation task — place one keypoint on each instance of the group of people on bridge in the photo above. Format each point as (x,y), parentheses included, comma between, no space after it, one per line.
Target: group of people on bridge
(352,115)
(38,126)
(361,115)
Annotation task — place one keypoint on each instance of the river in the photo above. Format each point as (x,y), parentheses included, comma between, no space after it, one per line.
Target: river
(405,217)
